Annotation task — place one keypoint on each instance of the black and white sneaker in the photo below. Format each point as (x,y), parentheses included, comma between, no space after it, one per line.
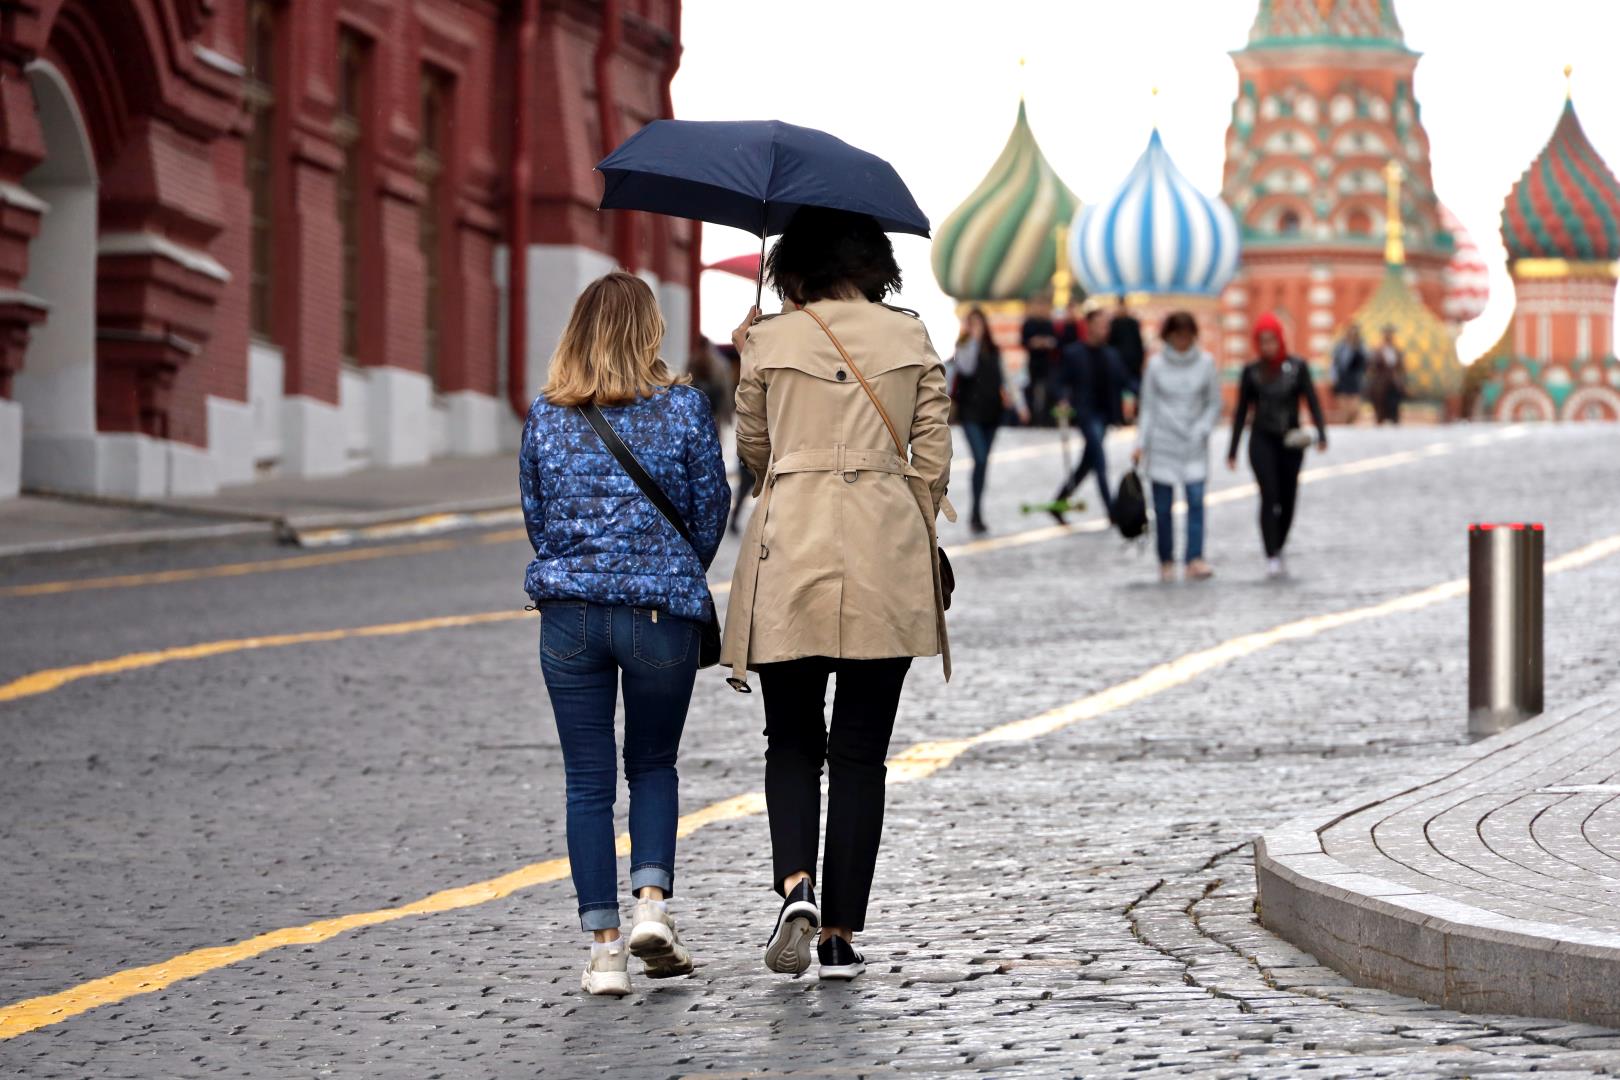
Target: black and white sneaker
(840,959)
(788,951)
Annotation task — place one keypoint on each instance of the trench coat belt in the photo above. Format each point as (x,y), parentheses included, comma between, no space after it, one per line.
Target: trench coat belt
(840,459)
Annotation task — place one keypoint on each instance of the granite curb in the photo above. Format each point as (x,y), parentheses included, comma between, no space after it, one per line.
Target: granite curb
(1397,937)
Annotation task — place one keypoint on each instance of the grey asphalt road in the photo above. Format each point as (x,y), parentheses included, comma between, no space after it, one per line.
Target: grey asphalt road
(1076,904)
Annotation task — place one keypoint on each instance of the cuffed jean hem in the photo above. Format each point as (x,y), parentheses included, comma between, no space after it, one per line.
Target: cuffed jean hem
(659,877)
(599,917)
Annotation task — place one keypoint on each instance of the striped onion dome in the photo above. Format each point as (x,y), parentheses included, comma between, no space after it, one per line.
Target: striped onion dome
(1567,203)
(1155,234)
(1433,372)
(1468,278)
(1000,243)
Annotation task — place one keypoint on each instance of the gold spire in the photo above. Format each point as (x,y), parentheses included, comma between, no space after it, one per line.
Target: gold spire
(1155,109)
(1394,246)
(1062,283)
(1569,71)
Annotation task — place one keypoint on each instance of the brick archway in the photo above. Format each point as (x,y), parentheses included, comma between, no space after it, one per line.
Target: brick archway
(151,101)
(151,113)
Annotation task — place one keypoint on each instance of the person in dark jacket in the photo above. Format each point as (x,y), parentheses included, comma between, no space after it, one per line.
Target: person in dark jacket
(1125,338)
(980,392)
(1349,374)
(1386,379)
(621,595)
(1040,340)
(1093,382)
(1273,387)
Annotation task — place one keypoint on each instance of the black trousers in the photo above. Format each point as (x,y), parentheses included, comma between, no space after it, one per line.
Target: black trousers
(1276,471)
(798,742)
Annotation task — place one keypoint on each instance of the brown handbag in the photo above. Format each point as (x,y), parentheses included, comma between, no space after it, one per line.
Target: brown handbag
(947,576)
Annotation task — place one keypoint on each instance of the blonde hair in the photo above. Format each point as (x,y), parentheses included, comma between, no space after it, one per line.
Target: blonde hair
(609,351)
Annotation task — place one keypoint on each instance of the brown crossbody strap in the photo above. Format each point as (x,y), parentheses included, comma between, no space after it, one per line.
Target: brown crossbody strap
(899,447)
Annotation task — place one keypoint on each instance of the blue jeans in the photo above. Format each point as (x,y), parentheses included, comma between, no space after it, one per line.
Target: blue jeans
(979,437)
(1093,429)
(584,651)
(1164,528)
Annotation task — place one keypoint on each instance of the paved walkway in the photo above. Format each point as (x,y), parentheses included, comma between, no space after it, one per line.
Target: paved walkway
(33,525)
(1066,886)
(1492,887)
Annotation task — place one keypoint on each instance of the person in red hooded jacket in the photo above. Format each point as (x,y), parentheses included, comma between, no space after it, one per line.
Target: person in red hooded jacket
(1273,387)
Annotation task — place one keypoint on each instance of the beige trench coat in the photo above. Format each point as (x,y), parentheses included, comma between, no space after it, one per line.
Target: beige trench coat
(840,557)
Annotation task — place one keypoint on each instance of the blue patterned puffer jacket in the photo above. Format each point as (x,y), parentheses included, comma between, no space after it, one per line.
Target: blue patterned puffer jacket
(595,536)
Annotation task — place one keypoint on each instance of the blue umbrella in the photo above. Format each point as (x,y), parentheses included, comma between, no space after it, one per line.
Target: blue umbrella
(752,175)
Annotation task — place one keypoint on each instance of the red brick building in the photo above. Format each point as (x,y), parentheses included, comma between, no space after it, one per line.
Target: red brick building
(252,237)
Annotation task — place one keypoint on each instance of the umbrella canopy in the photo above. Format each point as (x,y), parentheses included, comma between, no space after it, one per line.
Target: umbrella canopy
(752,175)
(744,266)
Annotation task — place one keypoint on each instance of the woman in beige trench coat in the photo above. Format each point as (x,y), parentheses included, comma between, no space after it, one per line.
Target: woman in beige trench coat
(838,573)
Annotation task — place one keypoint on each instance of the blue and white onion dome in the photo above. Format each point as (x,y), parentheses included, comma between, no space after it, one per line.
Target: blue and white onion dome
(1155,234)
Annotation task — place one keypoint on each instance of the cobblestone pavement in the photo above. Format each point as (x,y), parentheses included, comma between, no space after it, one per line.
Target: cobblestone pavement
(1077,905)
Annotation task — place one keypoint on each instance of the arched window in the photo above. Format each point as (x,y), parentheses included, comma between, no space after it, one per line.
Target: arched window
(1358,223)
(259,90)
(350,137)
(433,219)
(1288,223)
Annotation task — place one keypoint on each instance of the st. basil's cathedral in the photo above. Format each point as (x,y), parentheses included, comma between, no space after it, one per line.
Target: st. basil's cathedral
(1327,216)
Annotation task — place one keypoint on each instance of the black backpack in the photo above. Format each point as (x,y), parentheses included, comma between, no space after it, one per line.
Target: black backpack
(1130,507)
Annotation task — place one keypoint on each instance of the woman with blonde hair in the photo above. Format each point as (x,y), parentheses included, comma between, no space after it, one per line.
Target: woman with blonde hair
(619,576)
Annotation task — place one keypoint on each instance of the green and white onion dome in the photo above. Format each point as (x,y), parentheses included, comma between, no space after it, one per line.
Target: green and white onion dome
(1000,244)
(1155,234)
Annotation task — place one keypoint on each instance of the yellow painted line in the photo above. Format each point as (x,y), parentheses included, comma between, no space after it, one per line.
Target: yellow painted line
(260,566)
(915,763)
(43,682)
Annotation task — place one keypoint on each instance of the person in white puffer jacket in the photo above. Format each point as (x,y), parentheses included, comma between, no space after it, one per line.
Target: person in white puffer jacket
(1180,406)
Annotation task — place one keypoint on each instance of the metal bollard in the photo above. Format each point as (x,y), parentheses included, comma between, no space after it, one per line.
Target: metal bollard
(1504,625)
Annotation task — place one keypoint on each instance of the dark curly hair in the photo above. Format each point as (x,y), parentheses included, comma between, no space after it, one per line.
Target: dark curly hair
(825,253)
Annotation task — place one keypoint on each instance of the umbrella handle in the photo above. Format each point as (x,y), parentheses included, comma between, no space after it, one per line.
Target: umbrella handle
(759,282)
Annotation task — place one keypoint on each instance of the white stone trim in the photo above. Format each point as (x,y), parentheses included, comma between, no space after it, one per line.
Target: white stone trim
(312,441)
(24,299)
(10,448)
(472,423)
(397,405)
(14,194)
(217,60)
(148,243)
(231,440)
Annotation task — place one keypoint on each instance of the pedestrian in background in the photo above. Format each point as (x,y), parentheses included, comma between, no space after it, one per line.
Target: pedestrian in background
(745,479)
(1386,384)
(1093,383)
(1181,403)
(838,574)
(1125,338)
(1349,374)
(1273,387)
(622,596)
(1040,340)
(707,371)
(979,390)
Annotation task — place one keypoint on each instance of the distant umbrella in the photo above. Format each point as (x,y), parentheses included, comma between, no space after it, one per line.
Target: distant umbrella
(744,266)
(752,175)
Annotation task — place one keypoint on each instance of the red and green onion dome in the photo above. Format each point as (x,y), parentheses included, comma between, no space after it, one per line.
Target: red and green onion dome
(1433,372)
(1567,203)
(1001,243)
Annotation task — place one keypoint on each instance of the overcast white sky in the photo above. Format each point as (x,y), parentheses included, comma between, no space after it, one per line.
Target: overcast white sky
(933,86)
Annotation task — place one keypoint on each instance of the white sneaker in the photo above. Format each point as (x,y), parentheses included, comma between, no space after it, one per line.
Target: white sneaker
(608,971)
(1274,567)
(654,942)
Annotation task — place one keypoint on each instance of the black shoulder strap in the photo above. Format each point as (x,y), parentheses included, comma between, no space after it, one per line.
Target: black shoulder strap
(649,487)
